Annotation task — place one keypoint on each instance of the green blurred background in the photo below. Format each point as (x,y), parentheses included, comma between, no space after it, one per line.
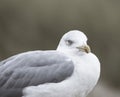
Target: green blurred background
(39,24)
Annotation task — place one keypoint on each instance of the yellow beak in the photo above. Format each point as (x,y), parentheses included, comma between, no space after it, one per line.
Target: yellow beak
(85,48)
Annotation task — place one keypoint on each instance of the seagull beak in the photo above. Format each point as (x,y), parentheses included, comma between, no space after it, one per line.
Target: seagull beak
(85,48)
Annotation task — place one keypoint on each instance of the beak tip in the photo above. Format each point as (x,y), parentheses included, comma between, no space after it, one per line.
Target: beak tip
(85,48)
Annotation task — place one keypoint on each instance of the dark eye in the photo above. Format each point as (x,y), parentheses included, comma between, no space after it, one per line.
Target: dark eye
(69,42)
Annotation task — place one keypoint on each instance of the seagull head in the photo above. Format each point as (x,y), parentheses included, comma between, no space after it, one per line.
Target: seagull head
(74,41)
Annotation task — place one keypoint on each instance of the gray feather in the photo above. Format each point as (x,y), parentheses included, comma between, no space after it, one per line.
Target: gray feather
(33,68)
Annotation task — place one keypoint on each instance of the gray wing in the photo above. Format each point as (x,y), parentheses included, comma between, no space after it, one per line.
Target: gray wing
(33,68)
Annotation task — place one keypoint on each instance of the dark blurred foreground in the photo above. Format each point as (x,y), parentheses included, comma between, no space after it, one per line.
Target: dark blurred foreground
(39,24)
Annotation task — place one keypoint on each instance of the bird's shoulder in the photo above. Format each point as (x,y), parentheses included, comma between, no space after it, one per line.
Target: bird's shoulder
(36,57)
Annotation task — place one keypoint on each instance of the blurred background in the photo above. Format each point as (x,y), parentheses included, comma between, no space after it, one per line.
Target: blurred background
(39,24)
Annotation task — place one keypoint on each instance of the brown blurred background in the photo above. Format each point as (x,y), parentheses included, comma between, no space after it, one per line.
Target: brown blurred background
(39,24)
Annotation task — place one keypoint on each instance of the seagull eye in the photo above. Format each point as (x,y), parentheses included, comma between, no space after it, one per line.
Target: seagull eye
(69,42)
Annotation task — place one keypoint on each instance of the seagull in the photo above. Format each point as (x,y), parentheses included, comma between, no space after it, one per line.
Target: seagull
(71,70)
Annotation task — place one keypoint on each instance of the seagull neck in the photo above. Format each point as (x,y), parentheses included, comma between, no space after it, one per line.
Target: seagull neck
(63,50)
(70,52)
